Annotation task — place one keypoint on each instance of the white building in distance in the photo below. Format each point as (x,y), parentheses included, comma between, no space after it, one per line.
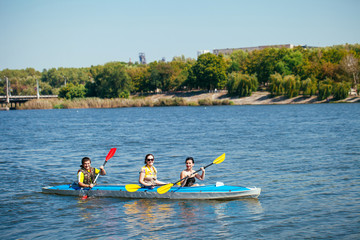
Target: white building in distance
(228,51)
(202,52)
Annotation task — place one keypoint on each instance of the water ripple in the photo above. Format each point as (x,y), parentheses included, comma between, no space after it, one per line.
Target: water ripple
(304,157)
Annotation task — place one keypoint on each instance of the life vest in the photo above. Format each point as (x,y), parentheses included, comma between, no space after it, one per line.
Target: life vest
(150,174)
(89,177)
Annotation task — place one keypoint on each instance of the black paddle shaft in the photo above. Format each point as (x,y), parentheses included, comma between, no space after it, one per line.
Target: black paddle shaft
(194,173)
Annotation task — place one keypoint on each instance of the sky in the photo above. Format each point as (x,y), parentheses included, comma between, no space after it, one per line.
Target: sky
(44,34)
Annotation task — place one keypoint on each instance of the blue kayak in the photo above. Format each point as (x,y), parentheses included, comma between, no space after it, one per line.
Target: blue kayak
(217,191)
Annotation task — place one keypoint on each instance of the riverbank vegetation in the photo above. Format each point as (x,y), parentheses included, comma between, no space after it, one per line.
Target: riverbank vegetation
(63,103)
(322,72)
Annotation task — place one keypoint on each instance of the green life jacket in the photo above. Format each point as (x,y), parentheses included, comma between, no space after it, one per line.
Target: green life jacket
(89,177)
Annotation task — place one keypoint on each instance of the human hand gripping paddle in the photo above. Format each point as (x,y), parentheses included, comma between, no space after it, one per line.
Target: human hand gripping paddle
(108,156)
(166,188)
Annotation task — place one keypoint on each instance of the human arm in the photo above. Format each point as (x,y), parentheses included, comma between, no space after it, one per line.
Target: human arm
(102,170)
(202,177)
(83,185)
(81,181)
(157,182)
(142,179)
(183,176)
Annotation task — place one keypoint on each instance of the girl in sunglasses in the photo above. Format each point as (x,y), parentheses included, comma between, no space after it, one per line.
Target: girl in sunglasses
(148,173)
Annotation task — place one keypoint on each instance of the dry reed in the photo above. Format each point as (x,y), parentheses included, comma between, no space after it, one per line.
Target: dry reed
(117,103)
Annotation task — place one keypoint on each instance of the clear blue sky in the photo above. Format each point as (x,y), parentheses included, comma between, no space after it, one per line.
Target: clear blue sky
(80,33)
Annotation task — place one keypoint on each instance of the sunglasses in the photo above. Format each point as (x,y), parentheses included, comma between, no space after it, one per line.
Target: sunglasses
(150,159)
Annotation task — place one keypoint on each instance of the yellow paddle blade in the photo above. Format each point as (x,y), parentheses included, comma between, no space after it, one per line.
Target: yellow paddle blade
(219,159)
(165,188)
(132,187)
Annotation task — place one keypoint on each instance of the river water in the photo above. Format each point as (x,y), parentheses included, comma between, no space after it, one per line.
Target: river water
(304,157)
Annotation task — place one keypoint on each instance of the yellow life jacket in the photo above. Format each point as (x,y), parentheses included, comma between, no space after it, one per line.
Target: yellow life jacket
(150,172)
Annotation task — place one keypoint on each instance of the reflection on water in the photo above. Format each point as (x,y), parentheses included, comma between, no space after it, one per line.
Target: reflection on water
(253,206)
(155,215)
(86,207)
(148,211)
(188,212)
(228,210)
(146,217)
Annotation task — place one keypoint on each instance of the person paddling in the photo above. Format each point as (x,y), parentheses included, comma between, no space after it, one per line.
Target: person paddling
(148,173)
(189,173)
(87,174)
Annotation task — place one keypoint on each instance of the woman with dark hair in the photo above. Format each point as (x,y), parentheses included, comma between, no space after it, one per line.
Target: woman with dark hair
(148,173)
(87,174)
(190,174)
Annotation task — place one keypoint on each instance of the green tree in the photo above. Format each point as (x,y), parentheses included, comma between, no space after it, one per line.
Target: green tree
(162,76)
(61,76)
(333,54)
(262,63)
(155,78)
(22,82)
(282,68)
(325,89)
(341,90)
(238,61)
(312,64)
(2,86)
(140,75)
(308,87)
(233,83)
(181,72)
(291,85)
(294,62)
(209,71)
(191,82)
(241,84)
(110,81)
(46,89)
(276,85)
(53,77)
(71,91)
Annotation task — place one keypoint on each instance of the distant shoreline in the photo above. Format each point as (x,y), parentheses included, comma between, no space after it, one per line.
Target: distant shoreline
(191,98)
(257,98)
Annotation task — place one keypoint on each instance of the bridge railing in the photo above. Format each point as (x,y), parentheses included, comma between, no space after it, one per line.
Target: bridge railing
(18,100)
(28,97)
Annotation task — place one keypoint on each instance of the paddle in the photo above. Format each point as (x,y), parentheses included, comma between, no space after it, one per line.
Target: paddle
(135,187)
(166,188)
(108,156)
(132,187)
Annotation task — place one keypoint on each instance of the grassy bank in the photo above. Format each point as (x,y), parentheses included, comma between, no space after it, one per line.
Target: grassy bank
(119,103)
(199,98)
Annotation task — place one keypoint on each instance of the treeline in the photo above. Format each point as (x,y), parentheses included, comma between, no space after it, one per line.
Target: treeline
(324,72)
